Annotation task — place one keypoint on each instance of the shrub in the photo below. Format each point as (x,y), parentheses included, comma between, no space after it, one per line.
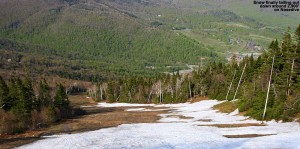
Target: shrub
(9,123)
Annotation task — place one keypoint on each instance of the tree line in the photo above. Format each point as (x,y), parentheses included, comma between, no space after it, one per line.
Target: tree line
(23,108)
(246,80)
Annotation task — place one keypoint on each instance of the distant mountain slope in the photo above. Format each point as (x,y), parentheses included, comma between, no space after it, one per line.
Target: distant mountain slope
(89,39)
(99,35)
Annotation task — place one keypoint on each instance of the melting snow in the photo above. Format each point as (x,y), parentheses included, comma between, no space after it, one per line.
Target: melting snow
(123,105)
(172,131)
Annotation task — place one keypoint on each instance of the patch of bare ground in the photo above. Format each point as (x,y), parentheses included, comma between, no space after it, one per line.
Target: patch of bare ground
(247,135)
(180,116)
(197,99)
(11,141)
(242,113)
(81,99)
(234,125)
(205,120)
(226,107)
(97,118)
(93,118)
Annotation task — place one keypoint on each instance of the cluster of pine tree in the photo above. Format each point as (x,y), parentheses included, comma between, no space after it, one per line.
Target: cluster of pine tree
(22,109)
(284,96)
(246,80)
(284,89)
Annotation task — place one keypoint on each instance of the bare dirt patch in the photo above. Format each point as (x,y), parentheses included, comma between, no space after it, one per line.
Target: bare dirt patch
(97,118)
(205,120)
(11,141)
(226,107)
(81,99)
(247,135)
(179,116)
(234,125)
(197,99)
(94,118)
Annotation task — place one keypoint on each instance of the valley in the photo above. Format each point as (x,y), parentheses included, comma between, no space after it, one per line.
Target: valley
(96,39)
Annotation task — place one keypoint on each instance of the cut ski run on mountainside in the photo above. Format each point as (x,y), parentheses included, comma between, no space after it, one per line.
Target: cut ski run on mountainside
(187,125)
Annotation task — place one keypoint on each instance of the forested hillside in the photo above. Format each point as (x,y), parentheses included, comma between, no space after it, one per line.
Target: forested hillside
(225,82)
(93,37)
(99,39)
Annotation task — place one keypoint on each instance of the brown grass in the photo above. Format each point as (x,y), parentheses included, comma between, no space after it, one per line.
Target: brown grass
(226,107)
(95,118)
(247,135)
(8,122)
(234,125)
(197,99)
(78,100)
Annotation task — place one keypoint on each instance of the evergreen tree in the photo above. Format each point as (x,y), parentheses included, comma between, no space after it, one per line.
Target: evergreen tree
(44,97)
(13,94)
(61,99)
(297,59)
(19,96)
(29,94)
(4,98)
(288,55)
(110,91)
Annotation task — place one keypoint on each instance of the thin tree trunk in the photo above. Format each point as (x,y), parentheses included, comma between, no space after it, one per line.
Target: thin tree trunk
(101,93)
(160,96)
(190,90)
(149,96)
(118,98)
(237,88)
(172,93)
(201,91)
(290,80)
(230,85)
(267,98)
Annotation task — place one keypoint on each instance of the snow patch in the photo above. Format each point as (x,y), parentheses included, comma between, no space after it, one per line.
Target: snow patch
(143,110)
(175,130)
(235,112)
(123,105)
(136,109)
